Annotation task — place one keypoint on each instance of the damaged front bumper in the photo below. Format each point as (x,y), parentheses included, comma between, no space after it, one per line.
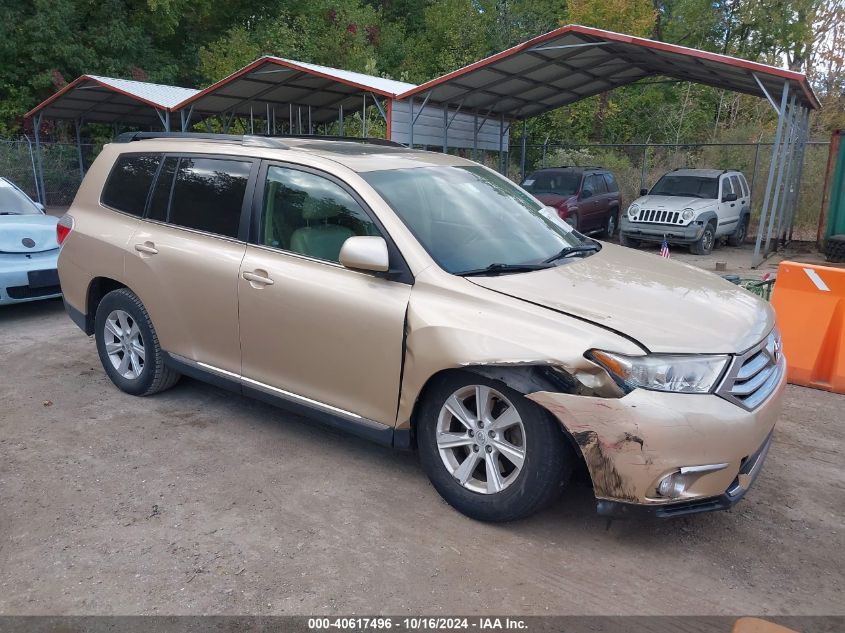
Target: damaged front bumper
(629,444)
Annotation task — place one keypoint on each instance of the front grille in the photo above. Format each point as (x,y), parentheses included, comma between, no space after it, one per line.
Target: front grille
(753,376)
(27,292)
(659,216)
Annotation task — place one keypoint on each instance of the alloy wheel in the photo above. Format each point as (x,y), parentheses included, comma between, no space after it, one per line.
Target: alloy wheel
(481,439)
(124,344)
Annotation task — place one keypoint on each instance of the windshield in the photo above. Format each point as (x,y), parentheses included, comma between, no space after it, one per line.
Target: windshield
(14,202)
(564,183)
(686,186)
(469,218)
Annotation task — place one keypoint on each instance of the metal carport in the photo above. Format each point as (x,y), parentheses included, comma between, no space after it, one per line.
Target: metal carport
(95,99)
(274,95)
(575,62)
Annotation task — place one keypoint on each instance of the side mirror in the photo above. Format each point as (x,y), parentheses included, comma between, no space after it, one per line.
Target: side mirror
(586,194)
(729,197)
(40,207)
(365,252)
(643,192)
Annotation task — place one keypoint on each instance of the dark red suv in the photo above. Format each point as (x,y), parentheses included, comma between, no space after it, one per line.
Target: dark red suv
(585,197)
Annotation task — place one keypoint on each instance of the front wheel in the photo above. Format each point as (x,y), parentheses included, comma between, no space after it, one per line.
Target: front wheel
(704,245)
(491,453)
(128,345)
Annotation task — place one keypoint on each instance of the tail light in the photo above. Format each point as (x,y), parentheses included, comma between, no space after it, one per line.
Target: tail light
(63,228)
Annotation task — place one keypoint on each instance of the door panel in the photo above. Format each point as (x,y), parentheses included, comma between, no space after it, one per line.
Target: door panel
(189,287)
(184,259)
(323,332)
(309,326)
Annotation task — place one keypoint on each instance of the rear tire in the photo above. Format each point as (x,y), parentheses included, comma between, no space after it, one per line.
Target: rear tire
(704,245)
(611,224)
(738,237)
(834,249)
(128,345)
(506,465)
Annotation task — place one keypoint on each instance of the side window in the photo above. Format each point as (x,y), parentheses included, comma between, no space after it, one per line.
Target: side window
(745,190)
(309,215)
(599,185)
(726,187)
(128,184)
(208,194)
(160,199)
(612,185)
(736,186)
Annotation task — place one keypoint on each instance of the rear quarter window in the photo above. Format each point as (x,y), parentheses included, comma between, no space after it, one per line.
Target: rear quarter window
(129,181)
(612,185)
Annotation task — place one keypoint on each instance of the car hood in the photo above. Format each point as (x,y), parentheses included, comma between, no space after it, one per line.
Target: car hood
(27,233)
(675,203)
(666,306)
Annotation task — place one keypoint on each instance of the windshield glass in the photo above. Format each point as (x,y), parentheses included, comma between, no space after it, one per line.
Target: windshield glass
(564,183)
(469,218)
(13,202)
(686,186)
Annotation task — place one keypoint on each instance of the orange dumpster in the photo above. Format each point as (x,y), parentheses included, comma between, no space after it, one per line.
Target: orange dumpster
(809,302)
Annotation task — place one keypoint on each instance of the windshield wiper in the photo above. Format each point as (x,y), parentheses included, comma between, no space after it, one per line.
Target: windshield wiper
(569,251)
(499,269)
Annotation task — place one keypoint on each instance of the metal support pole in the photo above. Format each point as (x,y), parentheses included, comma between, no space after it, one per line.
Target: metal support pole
(522,158)
(754,173)
(299,120)
(412,121)
(777,208)
(475,135)
(502,143)
(251,120)
(267,120)
(39,183)
(791,141)
(445,129)
(310,125)
(79,148)
(757,258)
(167,121)
(644,165)
(340,121)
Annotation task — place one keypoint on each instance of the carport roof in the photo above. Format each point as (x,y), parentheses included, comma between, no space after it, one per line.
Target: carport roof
(109,100)
(274,81)
(575,62)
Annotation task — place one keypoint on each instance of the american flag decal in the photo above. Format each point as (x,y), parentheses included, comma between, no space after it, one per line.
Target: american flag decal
(664,249)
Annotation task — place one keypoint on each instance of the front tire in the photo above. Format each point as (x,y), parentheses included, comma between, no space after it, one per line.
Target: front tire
(128,346)
(501,460)
(704,245)
(610,225)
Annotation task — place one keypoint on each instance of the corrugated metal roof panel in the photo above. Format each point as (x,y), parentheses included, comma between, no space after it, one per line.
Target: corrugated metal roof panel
(160,94)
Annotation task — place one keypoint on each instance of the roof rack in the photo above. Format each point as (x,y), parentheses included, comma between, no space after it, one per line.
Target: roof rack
(276,142)
(574,167)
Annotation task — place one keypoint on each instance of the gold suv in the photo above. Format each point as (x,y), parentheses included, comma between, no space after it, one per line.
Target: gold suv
(423,301)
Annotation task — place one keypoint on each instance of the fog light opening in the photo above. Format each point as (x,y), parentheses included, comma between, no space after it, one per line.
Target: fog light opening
(672,485)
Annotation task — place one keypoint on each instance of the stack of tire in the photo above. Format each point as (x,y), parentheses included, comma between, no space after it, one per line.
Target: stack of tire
(834,248)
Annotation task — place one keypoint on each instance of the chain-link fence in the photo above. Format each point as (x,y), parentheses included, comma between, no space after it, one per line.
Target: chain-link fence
(59,168)
(639,166)
(634,165)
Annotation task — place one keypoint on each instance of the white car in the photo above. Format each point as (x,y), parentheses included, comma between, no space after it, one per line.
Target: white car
(697,207)
(28,248)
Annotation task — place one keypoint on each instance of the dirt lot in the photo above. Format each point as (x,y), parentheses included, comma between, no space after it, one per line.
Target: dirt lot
(198,501)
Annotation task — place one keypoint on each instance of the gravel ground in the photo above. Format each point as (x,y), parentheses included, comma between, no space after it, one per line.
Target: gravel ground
(198,501)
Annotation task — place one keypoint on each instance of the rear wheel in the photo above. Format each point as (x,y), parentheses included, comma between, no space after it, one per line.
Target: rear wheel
(610,225)
(490,452)
(128,346)
(738,238)
(704,245)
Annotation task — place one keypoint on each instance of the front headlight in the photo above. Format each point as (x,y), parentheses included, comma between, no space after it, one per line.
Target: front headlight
(687,214)
(679,373)
(634,211)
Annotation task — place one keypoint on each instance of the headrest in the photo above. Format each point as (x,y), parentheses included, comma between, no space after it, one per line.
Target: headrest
(320,209)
